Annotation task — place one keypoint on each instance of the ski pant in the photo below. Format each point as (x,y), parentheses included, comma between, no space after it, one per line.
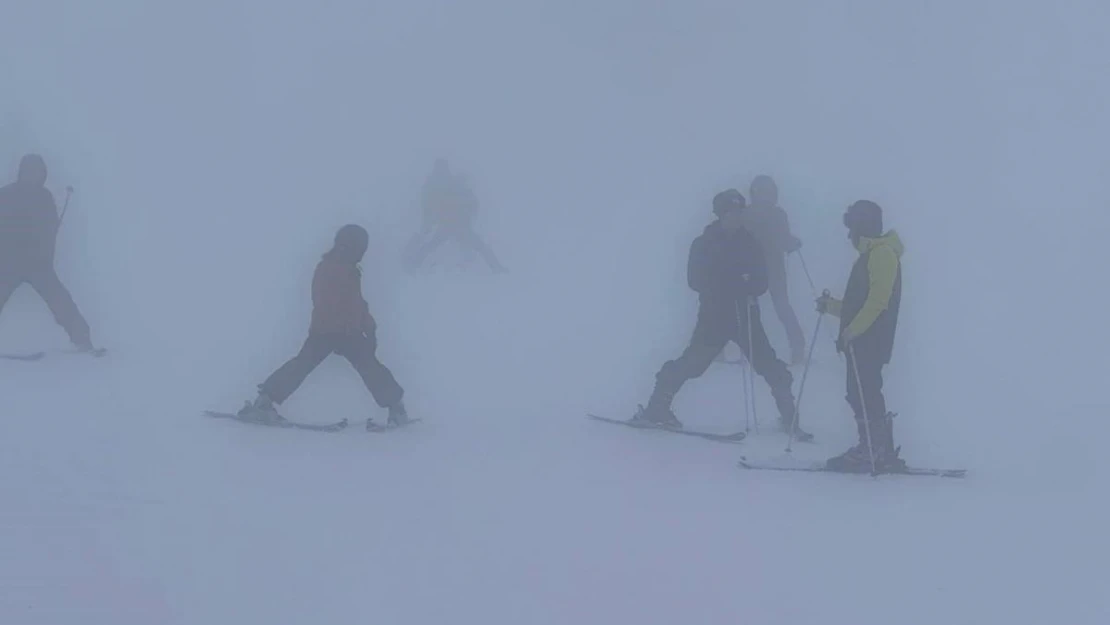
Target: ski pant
(46,283)
(465,235)
(866,393)
(780,300)
(710,337)
(358,349)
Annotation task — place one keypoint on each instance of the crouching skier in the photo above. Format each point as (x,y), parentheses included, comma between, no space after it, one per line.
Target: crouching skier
(728,270)
(341,324)
(868,318)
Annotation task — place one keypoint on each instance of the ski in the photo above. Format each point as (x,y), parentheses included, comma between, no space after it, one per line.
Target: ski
(819,467)
(735,438)
(24,357)
(284,423)
(390,427)
(32,356)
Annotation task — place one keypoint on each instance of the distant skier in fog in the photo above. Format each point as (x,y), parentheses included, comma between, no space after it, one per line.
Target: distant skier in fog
(727,269)
(341,324)
(449,208)
(868,319)
(29,224)
(768,222)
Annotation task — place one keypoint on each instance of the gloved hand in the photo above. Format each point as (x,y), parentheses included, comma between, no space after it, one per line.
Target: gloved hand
(793,244)
(845,339)
(825,302)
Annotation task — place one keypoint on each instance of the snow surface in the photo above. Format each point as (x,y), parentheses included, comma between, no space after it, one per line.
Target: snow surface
(216,147)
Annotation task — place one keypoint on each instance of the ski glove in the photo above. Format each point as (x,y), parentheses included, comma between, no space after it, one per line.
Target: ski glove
(828,305)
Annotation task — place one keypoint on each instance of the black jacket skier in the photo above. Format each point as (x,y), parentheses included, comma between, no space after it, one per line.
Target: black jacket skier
(28,231)
(727,269)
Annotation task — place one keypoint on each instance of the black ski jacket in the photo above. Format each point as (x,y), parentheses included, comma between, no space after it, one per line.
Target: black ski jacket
(725,269)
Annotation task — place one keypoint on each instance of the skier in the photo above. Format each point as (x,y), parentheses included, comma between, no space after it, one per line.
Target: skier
(768,222)
(341,324)
(28,234)
(449,208)
(726,267)
(868,318)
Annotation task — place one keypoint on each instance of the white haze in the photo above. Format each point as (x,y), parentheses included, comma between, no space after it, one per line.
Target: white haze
(215,147)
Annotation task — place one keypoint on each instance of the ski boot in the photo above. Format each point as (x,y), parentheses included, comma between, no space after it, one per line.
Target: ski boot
(790,429)
(657,416)
(855,460)
(398,416)
(261,410)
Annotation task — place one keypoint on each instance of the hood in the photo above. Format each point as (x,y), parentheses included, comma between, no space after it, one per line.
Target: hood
(890,240)
(32,170)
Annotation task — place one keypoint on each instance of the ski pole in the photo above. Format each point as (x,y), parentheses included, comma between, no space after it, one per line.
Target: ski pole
(863,408)
(802,386)
(751,365)
(65,205)
(812,287)
(744,380)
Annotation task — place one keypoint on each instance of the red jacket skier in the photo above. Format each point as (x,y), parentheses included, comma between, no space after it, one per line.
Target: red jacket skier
(341,324)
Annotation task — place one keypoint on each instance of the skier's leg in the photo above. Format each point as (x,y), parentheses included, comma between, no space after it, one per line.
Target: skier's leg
(769,367)
(289,377)
(50,288)
(360,351)
(471,240)
(780,300)
(420,254)
(694,361)
(8,285)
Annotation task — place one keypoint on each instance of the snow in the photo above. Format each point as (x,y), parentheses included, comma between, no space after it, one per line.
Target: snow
(210,177)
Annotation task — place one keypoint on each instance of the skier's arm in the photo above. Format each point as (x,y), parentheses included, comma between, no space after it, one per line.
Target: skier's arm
(698,267)
(882,266)
(784,239)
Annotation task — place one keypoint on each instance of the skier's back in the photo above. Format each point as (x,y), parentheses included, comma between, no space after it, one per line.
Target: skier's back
(28,233)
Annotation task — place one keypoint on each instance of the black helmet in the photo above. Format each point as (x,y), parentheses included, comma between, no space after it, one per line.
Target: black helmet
(351,241)
(728,200)
(864,218)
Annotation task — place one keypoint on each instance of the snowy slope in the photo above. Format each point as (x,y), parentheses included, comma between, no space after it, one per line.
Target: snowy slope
(505,506)
(215,148)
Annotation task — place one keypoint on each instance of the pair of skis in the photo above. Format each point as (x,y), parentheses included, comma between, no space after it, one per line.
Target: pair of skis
(784,465)
(298,425)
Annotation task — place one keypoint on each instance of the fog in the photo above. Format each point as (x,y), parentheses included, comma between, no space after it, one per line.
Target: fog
(215,148)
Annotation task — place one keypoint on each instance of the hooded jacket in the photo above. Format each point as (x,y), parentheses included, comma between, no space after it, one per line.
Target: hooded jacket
(28,219)
(337,303)
(873,296)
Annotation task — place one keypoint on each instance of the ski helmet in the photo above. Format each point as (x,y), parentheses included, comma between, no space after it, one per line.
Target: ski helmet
(728,200)
(353,239)
(32,169)
(764,191)
(864,218)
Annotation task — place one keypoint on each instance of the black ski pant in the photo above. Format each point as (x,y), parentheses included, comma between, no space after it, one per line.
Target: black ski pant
(358,349)
(712,333)
(44,280)
(865,396)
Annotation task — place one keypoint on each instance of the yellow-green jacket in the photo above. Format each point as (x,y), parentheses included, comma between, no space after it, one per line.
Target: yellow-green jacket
(869,311)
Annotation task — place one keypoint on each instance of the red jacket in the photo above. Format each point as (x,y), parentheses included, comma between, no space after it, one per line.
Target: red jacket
(337,303)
